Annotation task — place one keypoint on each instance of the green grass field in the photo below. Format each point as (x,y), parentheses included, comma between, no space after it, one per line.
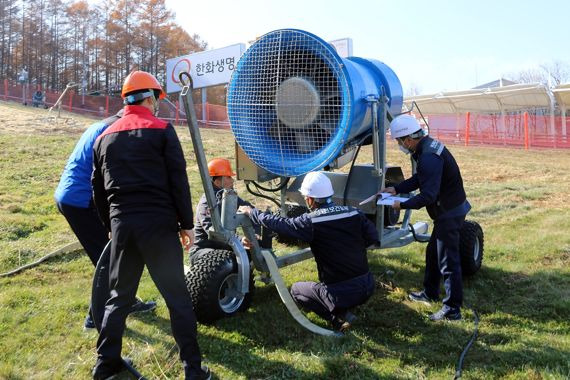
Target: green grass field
(522,293)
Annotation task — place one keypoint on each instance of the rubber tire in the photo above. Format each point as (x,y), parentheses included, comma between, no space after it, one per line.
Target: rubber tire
(391,216)
(471,239)
(205,280)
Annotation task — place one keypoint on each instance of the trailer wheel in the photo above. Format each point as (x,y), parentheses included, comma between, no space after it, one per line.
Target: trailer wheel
(212,283)
(391,216)
(471,247)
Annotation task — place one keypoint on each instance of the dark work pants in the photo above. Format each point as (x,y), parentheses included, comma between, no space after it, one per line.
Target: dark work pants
(330,300)
(151,240)
(88,228)
(443,260)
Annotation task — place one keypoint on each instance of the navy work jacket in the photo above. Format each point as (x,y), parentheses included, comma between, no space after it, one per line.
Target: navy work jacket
(338,236)
(439,180)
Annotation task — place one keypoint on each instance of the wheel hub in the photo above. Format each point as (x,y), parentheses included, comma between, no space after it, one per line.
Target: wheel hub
(229,298)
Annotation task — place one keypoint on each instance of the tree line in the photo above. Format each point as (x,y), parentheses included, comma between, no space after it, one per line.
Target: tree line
(95,45)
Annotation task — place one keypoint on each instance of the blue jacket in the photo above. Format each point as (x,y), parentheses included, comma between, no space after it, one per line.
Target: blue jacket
(439,180)
(338,236)
(74,187)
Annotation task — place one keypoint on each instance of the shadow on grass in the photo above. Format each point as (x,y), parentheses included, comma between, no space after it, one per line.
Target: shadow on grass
(242,343)
(518,313)
(525,306)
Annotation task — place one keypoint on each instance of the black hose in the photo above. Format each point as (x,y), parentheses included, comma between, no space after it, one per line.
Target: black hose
(423,118)
(459,366)
(346,185)
(416,236)
(282,184)
(247,186)
(65,249)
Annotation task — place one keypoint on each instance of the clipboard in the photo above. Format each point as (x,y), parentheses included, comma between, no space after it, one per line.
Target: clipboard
(386,199)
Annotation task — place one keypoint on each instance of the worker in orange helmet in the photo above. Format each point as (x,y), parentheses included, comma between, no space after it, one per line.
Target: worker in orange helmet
(220,170)
(141,192)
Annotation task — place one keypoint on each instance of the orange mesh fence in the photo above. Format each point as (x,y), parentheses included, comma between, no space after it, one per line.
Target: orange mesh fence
(214,116)
(521,129)
(524,129)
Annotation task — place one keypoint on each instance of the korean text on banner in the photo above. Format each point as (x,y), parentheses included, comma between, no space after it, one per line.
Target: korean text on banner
(207,68)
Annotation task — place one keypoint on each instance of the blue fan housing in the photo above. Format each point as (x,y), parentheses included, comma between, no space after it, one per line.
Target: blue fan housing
(293,103)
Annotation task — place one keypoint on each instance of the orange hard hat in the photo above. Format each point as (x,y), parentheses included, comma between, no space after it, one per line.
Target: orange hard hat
(141,80)
(220,167)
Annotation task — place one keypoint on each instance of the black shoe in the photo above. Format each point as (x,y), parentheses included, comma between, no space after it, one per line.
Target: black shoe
(104,372)
(446,314)
(343,322)
(421,297)
(88,324)
(142,307)
(206,374)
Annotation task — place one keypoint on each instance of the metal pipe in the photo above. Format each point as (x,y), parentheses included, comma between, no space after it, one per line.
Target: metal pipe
(229,208)
(229,226)
(186,96)
(375,135)
(242,264)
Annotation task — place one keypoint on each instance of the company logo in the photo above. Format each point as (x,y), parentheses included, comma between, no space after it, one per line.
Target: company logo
(180,66)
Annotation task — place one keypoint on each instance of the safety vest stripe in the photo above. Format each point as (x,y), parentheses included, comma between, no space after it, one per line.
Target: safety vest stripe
(440,149)
(326,218)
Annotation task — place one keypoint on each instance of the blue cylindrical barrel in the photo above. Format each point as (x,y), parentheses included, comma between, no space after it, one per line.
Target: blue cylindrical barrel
(293,103)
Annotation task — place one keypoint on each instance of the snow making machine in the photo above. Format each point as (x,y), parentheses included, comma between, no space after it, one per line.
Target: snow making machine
(296,106)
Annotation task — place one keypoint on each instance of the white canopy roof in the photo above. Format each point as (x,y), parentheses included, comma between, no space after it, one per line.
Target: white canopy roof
(487,100)
(562,94)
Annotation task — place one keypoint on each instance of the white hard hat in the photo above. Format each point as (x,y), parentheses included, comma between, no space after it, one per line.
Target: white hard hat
(404,125)
(316,185)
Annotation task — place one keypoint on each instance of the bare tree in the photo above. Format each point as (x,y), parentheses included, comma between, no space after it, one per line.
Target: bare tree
(532,75)
(557,71)
(549,74)
(413,90)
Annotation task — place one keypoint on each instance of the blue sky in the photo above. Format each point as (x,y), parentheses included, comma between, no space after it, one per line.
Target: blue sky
(432,45)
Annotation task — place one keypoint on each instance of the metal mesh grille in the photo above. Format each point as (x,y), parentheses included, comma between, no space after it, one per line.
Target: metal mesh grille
(288,103)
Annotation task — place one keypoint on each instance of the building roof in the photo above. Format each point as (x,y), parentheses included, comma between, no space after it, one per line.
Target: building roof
(562,95)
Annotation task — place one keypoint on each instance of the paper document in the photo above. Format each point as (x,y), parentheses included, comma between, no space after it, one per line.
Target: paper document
(388,199)
(383,199)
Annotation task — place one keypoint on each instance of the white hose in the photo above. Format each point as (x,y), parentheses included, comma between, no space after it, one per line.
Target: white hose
(288,300)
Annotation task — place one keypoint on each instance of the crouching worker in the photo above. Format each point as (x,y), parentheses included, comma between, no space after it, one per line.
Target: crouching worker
(221,173)
(338,236)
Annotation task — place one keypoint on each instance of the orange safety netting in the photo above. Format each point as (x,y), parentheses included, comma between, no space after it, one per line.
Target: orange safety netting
(520,129)
(523,129)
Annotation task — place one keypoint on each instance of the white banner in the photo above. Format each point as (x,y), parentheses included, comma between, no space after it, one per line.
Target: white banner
(207,68)
(343,47)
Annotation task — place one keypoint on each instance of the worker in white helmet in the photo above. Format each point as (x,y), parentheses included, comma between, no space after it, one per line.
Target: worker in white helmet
(338,236)
(441,192)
